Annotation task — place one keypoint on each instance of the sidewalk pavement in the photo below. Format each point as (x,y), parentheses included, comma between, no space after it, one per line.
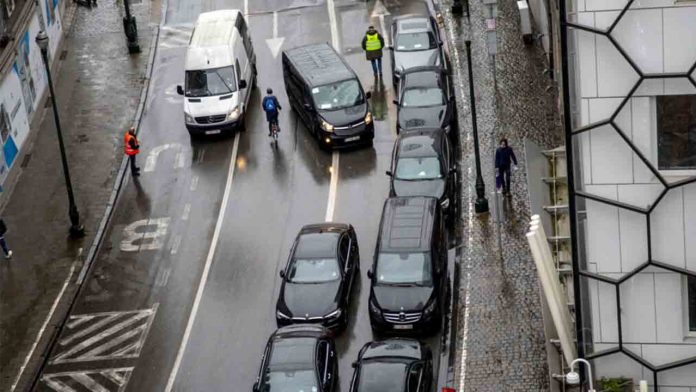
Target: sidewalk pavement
(98,87)
(500,343)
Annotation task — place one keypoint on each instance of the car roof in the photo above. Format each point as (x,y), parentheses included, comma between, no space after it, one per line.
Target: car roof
(428,76)
(407,223)
(292,352)
(215,33)
(319,64)
(421,143)
(413,24)
(315,244)
(393,348)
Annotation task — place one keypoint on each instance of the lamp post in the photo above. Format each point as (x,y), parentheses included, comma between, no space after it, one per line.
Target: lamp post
(573,377)
(131,29)
(481,204)
(76,229)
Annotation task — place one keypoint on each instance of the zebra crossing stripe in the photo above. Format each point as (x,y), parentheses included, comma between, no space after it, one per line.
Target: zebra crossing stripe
(98,380)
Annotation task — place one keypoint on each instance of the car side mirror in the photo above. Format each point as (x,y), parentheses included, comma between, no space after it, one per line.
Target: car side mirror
(453,169)
(370,274)
(179,90)
(368,95)
(396,102)
(440,43)
(242,84)
(308,107)
(389,173)
(282,274)
(354,365)
(255,388)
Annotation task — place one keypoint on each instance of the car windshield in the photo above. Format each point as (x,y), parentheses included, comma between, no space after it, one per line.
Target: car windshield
(418,168)
(423,96)
(290,381)
(317,270)
(404,268)
(408,42)
(337,95)
(382,377)
(206,82)
(291,367)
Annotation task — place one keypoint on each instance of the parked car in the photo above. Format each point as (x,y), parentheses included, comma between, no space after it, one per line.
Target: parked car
(220,73)
(327,95)
(416,42)
(319,276)
(393,365)
(426,100)
(299,358)
(409,272)
(423,164)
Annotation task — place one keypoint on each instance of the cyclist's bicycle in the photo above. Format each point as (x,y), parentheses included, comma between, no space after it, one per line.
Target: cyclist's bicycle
(275,129)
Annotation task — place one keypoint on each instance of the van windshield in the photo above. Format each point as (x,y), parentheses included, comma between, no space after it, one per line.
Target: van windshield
(404,268)
(206,82)
(338,95)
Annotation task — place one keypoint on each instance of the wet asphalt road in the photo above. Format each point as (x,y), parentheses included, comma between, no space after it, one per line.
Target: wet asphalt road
(130,319)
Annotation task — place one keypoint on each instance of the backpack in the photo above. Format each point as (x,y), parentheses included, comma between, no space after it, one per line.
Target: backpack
(269,104)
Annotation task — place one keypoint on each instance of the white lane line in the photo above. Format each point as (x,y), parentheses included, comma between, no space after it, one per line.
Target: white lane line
(333,184)
(333,187)
(206,268)
(43,327)
(246,10)
(175,244)
(275,24)
(187,212)
(194,183)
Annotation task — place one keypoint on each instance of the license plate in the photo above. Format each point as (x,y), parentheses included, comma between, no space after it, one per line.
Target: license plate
(352,139)
(212,132)
(403,326)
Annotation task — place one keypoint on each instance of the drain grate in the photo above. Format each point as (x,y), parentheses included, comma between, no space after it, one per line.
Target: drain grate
(25,161)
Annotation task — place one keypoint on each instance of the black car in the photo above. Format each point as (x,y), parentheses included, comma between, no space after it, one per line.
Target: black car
(417,43)
(393,365)
(298,358)
(319,276)
(423,164)
(426,100)
(409,272)
(327,96)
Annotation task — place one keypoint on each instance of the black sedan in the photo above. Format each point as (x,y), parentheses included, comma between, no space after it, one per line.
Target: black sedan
(426,100)
(417,43)
(319,276)
(393,365)
(299,358)
(423,164)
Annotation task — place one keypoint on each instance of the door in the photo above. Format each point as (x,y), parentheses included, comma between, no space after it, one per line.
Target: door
(324,365)
(345,259)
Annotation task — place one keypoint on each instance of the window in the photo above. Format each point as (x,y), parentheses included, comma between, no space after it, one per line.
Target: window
(415,375)
(691,293)
(676,132)
(343,249)
(207,82)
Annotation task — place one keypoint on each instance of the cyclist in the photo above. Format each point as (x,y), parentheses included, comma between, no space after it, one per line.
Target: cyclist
(271,107)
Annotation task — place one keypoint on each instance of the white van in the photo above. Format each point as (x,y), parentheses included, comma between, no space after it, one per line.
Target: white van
(220,73)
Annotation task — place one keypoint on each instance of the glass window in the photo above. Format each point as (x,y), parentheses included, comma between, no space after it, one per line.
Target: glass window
(404,268)
(382,376)
(206,82)
(692,303)
(291,367)
(338,95)
(407,42)
(415,375)
(676,132)
(313,271)
(418,168)
(421,97)
(343,248)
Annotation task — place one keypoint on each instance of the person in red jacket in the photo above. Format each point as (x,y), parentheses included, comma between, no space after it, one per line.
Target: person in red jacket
(132,148)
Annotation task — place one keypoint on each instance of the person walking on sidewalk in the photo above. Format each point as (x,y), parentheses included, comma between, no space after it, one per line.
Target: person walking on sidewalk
(3,243)
(504,156)
(372,44)
(132,148)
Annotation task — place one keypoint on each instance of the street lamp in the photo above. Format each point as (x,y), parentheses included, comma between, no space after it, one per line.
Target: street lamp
(573,377)
(76,229)
(131,29)
(481,204)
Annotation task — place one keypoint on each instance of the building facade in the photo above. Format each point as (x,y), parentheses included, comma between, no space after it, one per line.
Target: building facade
(633,112)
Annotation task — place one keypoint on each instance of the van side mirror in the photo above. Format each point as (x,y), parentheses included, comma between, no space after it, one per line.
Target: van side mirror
(308,107)
(179,90)
(354,365)
(440,43)
(389,173)
(242,84)
(390,47)
(282,273)
(370,274)
(368,95)
(396,102)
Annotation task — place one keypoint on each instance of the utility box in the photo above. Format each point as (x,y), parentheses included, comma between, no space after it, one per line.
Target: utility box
(525,22)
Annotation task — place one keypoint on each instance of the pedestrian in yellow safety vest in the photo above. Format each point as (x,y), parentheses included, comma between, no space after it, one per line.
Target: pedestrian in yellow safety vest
(372,44)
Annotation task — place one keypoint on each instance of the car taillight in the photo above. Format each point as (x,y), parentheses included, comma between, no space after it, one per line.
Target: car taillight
(448,389)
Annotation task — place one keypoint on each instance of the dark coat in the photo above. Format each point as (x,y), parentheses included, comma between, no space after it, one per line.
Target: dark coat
(373,54)
(503,156)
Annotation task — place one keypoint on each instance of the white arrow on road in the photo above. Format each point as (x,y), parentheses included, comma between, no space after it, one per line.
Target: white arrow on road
(275,43)
(380,11)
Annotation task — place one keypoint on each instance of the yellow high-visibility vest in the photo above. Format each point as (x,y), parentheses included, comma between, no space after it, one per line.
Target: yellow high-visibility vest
(372,42)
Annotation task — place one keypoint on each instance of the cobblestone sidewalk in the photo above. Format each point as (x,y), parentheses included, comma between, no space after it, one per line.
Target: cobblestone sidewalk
(98,86)
(500,343)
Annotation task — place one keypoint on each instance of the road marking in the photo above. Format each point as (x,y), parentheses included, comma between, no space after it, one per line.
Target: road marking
(335,39)
(134,241)
(206,268)
(187,212)
(333,187)
(163,277)
(99,380)
(45,323)
(380,11)
(153,155)
(200,155)
(105,336)
(194,183)
(175,244)
(275,43)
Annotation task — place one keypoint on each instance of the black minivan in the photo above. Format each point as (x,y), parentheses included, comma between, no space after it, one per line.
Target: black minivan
(327,95)
(409,272)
